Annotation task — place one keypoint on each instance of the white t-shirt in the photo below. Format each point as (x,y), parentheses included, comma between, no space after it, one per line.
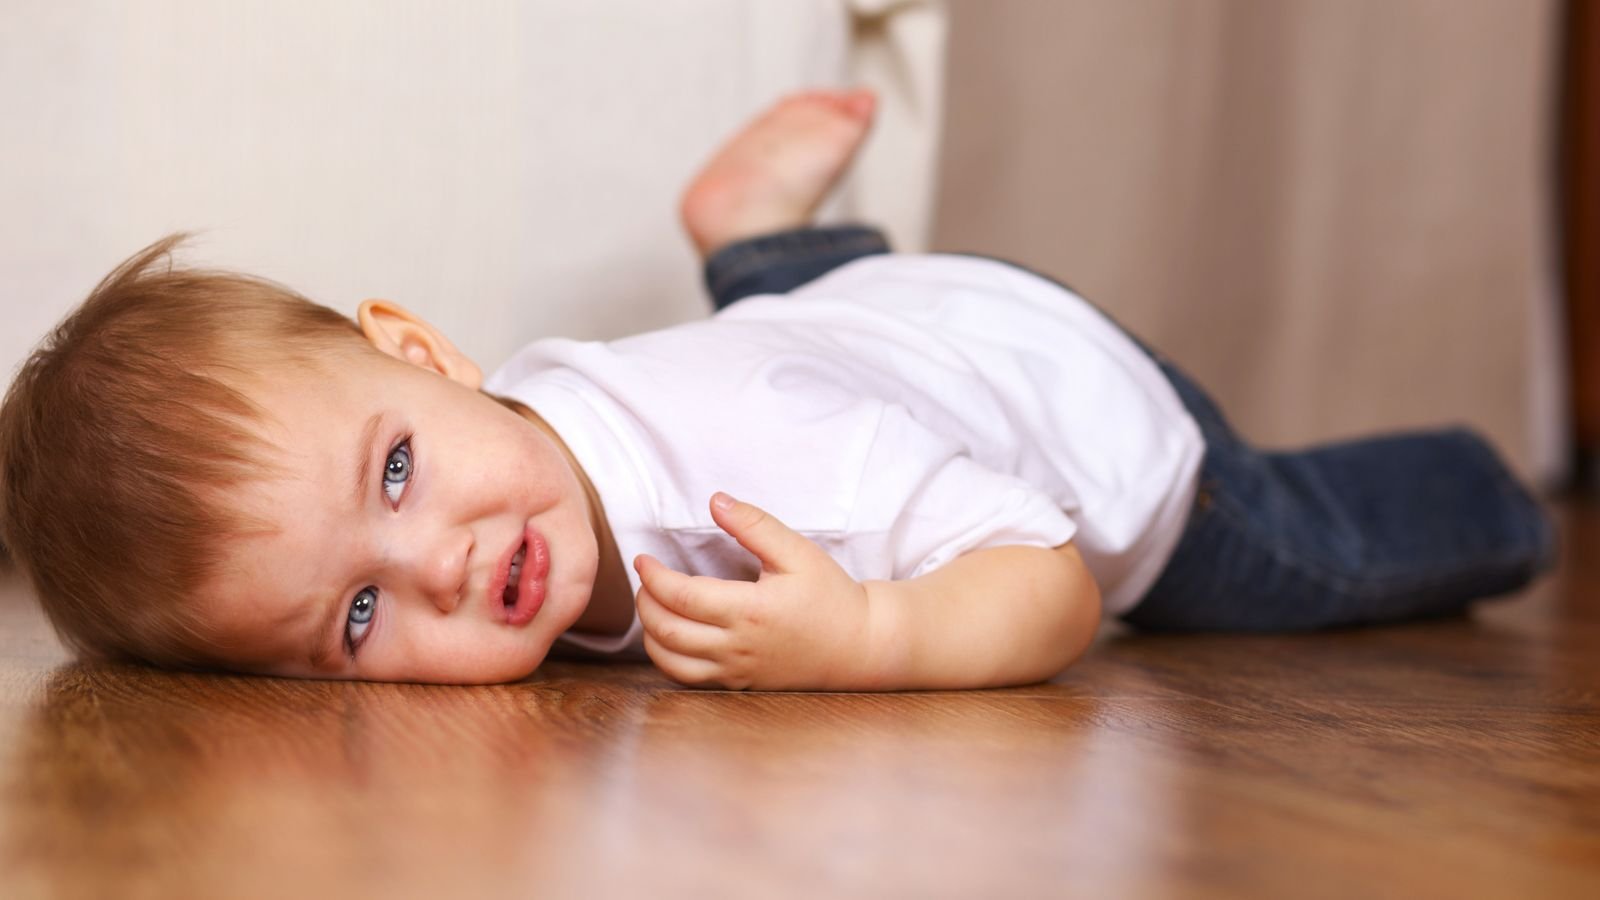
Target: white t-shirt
(899,411)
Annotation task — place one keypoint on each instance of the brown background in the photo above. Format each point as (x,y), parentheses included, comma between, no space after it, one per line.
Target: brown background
(1580,202)
(1337,216)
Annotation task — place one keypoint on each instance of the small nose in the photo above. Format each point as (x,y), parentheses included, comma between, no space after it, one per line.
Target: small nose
(441,570)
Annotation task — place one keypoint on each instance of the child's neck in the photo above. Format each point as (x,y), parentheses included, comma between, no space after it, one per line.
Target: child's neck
(610,609)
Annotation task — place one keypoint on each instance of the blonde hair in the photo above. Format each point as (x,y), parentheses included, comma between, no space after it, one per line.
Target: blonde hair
(121,432)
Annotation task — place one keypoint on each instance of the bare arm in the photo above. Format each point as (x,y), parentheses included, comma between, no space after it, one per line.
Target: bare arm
(1003,615)
(999,616)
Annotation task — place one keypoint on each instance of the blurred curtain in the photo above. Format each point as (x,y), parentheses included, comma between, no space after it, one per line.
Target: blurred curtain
(1337,215)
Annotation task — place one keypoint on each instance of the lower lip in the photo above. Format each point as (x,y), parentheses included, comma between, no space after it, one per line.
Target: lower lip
(531,580)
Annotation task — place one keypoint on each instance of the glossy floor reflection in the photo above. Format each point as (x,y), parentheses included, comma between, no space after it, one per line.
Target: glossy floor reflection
(1458,757)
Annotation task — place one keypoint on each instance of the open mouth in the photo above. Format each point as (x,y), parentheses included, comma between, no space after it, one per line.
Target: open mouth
(524,588)
(509,596)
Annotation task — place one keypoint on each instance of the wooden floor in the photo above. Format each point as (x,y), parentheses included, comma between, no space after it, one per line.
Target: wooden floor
(1450,759)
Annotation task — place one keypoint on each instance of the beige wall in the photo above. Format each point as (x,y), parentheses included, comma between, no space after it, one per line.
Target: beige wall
(1334,214)
(509,169)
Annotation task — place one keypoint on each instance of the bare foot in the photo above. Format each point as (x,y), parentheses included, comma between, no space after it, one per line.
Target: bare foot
(775,173)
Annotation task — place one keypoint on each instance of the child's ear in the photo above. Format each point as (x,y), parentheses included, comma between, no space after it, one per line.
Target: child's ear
(403,335)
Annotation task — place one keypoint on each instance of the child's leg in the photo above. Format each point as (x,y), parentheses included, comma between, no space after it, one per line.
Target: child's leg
(749,208)
(779,263)
(1358,532)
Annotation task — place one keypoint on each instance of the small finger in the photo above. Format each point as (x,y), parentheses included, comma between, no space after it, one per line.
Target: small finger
(684,669)
(696,597)
(677,633)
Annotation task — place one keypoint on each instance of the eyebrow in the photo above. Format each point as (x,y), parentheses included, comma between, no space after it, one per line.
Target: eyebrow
(363,466)
(325,640)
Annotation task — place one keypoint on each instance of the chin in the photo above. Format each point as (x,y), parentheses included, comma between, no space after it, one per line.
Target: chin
(521,670)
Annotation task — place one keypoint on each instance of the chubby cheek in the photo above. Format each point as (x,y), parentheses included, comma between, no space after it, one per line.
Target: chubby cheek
(542,471)
(479,669)
(551,489)
(511,666)
(490,655)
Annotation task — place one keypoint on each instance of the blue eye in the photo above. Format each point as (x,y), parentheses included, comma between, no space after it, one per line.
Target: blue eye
(397,471)
(360,617)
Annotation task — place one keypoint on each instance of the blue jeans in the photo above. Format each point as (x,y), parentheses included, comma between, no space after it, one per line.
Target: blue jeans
(1380,529)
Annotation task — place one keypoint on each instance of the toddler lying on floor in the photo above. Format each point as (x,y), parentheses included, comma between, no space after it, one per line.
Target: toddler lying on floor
(954,468)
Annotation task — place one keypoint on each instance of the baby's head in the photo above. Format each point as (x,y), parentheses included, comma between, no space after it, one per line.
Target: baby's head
(204,469)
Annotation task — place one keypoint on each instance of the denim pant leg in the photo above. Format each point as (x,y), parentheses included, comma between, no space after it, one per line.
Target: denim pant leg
(780,262)
(1356,532)
(1400,526)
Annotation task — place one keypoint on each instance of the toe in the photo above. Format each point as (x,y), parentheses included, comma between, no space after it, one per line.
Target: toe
(860,103)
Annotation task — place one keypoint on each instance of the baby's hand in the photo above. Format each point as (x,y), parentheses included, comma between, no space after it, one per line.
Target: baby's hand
(803,625)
